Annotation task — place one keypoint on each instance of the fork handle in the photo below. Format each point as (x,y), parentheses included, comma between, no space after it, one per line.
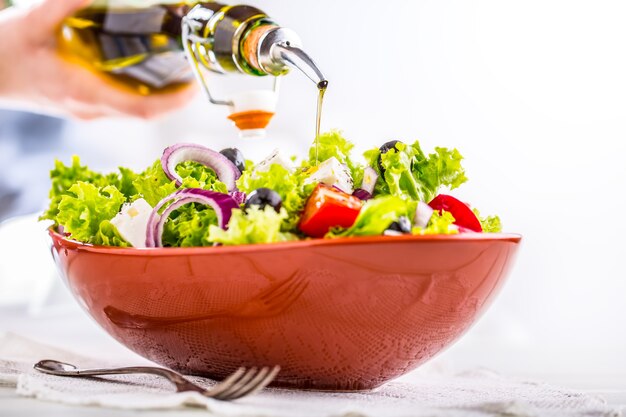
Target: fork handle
(177,379)
(121,371)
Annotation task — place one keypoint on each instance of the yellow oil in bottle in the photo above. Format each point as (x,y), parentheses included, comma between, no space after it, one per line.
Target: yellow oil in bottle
(137,47)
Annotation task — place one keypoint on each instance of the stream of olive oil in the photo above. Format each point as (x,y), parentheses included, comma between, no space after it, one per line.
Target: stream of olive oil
(321,90)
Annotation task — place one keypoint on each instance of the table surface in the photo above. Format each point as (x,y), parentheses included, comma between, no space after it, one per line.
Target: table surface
(11,405)
(72,329)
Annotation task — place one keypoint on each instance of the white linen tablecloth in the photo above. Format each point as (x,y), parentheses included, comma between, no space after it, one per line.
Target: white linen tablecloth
(476,393)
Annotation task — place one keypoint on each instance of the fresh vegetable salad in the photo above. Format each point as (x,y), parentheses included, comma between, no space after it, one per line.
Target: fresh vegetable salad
(195,196)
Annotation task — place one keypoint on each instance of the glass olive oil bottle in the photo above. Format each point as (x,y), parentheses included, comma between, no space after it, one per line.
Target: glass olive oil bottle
(140,42)
(156,45)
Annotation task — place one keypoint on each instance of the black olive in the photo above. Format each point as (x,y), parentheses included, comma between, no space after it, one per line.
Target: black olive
(389,146)
(263,197)
(384,149)
(235,156)
(402,226)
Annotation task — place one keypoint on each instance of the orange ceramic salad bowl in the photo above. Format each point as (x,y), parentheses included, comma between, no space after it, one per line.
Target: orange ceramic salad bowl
(341,314)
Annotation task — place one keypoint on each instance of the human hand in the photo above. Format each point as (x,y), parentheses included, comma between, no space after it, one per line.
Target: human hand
(35,76)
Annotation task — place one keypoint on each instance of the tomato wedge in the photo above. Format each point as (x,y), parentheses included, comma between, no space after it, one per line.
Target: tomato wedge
(327,208)
(463,215)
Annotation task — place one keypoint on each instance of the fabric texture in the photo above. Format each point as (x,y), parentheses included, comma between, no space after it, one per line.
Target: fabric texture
(477,393)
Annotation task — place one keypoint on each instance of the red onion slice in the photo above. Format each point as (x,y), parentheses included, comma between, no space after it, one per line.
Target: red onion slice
(223,204)
(155,216)
(362,194)
(239,196)
(225,170)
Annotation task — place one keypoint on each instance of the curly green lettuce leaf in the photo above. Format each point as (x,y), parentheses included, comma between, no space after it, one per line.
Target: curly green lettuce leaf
(108,235)
(490,224)
(86,206)
(126,184)
(188,226)
(196,175)
(153,185)
(331,144)
(398,179)
(376,216)
(289,185)
(439,224)
(253,225)
(64,176)
(440,169)
(410,173)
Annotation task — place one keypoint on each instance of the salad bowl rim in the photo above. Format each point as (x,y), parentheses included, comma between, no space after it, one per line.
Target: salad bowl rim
(307,243)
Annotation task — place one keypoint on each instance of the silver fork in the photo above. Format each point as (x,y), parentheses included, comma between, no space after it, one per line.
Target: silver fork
(241,383)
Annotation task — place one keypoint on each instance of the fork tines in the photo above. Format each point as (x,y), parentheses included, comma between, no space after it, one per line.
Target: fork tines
(243,382)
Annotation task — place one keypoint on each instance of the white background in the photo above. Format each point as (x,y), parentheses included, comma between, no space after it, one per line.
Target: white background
(532,93)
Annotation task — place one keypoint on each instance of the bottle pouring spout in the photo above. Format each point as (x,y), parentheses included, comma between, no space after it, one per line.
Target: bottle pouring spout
(280,49)
(295,57)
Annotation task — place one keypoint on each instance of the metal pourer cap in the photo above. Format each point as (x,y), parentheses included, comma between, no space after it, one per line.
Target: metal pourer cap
(279,49)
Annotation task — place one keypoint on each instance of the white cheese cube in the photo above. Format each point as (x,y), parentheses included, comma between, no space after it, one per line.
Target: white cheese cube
(274,158)
(370,176)
(132,222)
(333,173)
